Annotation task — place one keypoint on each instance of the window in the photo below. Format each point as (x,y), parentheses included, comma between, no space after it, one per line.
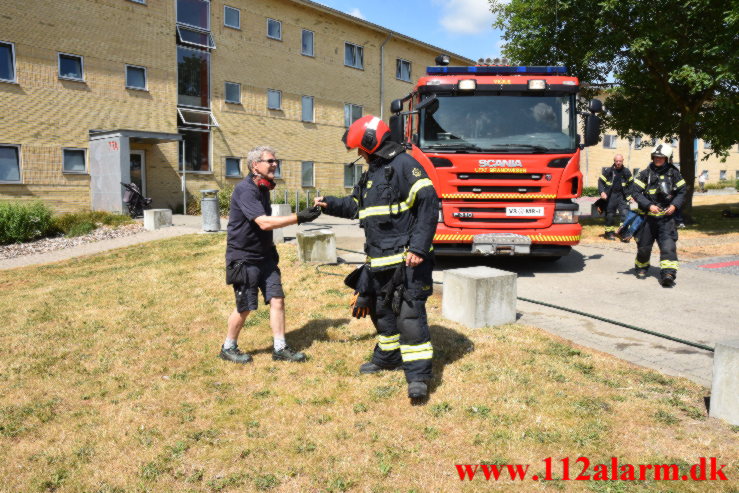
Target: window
(7,62)
(352,113)
(231,17)
(193,77)
(274,29)
(198,39)
(722,175)
(10,163)
(73,161)
(609,141)
(705,173)
(195,13)
(306,174)
(307,48)
(233,92)
(233,167)
(353,56)
(637,142)
(636,171)
(274,99)
(71,67)
(278,170)
(196,145)
(352,174)
(135,77)
(196,118)
(142,2)
(707,145)
(737,176)
(403,70)
(307,109)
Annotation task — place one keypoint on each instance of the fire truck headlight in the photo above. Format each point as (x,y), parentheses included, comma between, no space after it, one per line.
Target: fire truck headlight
(467,85)
(537,85)
(565,217)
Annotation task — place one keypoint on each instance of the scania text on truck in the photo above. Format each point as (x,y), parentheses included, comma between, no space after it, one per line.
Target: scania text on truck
(500,144)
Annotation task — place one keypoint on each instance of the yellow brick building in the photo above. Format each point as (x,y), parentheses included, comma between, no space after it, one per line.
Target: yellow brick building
(95,92)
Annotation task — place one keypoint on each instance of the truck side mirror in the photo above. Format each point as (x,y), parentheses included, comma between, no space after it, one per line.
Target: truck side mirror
(396,106)
(595,106)
(592,130)
(396,128)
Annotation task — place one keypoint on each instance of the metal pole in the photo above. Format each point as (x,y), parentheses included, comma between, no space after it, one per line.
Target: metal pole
(286,201)
(184,180)
(297,200)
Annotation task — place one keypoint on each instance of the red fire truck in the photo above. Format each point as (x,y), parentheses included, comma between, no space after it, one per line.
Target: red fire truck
(500,144)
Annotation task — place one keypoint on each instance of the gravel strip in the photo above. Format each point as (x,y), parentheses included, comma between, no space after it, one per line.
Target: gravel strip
(59,243)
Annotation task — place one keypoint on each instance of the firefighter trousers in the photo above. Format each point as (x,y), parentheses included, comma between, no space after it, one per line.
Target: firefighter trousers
(662,229)
(404,339)
(616,203)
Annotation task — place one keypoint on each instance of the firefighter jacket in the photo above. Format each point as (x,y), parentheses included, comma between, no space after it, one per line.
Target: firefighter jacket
(662,186)
(605,182)
(397,206)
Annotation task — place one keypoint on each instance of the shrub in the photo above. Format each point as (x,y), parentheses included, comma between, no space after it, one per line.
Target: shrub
(81,223)
(224,199)
(20,222)
(590,192)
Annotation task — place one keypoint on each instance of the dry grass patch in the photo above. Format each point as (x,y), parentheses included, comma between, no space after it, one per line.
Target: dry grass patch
(111,383)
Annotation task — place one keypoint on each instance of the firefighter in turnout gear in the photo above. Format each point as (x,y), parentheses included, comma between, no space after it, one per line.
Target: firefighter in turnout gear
(614,186)
(398,208)
(660,191)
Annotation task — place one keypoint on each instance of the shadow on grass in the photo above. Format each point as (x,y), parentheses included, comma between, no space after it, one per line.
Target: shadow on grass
(449,346)
(314,330)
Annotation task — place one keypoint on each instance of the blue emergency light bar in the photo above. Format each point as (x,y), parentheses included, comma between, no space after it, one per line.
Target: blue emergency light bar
(497,70)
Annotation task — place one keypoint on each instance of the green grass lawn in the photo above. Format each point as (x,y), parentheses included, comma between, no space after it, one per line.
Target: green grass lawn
(110,383)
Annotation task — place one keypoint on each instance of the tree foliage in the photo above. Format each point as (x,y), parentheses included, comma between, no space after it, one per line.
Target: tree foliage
(675,63)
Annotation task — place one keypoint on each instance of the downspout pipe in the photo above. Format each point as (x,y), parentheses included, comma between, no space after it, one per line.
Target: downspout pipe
(382,73)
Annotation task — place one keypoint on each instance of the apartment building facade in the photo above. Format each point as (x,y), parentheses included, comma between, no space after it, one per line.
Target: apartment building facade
(98,92)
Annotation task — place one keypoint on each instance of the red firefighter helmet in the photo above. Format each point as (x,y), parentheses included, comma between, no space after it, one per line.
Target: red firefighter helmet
(366,133)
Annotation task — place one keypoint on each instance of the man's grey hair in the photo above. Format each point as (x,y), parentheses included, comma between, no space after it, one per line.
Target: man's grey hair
(256,154)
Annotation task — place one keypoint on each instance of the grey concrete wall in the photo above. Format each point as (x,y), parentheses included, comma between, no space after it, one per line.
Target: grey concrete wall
(109,166)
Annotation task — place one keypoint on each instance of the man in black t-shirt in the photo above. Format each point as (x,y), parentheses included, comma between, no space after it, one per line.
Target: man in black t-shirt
(251,256)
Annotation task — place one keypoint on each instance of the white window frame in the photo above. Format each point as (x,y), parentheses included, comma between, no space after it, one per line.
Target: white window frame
(14,80)
(279,94)
(313,174)
(211,116)
(84,153)
(312,108)
(225,92)
(238,11)
(141,2)
(279,23)
(610,141)
(352,105)
(356,173)
(722,175)
(225,167)
(183,42)
(197,28)
(312,43)
(398,62)
(20,164)
(146,79)
(638,142)
(181,164)
(59,66)
(210,80)
(278,170)
(356,46)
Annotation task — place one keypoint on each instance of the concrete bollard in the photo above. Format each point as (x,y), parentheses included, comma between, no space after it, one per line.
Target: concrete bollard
(317,245)
(479,296)
(157,218)
(725,384)
(278,235)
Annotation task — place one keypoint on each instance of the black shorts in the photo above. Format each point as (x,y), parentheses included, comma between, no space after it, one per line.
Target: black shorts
(249,279)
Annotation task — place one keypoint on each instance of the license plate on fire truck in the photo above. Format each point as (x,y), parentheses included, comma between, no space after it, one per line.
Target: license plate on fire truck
(524,211)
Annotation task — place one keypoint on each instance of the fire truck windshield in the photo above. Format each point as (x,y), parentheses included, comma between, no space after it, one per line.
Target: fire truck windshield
(516,123)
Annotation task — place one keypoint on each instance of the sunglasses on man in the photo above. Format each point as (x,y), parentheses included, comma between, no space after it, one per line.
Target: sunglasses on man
(270,161)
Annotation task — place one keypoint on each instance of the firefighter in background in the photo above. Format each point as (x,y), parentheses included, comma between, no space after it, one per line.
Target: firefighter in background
(398,209)
(660,191)
(614,185)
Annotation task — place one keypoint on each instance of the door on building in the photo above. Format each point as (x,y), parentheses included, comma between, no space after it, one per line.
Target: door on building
(138,170)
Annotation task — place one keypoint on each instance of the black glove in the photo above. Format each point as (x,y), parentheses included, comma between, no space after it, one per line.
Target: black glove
(360,306)
(308,214)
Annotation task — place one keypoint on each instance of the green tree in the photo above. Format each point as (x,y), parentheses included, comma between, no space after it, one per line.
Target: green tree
(675,63)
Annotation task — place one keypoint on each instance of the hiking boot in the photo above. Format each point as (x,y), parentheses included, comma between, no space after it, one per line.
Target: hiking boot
(668,280)
(418,390)
(234,355)
(288,354)
(611,236)
(641,273)
(626,239)
(370,367)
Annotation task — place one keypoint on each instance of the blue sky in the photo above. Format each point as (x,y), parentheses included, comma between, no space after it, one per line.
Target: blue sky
(459,26)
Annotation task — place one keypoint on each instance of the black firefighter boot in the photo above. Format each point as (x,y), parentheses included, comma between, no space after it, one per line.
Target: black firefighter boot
(418,390)
(668,280)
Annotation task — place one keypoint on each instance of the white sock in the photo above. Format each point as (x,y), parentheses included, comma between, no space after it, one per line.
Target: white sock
(280,343)
(229,343)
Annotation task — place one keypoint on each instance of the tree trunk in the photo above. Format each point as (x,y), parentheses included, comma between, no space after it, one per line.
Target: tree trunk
(687,164)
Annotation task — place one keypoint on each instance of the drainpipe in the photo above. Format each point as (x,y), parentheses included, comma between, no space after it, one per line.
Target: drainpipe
(382,73)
